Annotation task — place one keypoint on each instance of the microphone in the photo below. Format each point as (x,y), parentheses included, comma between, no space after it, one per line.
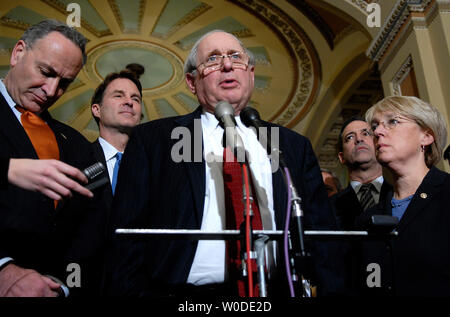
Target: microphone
(93,172)
(250,117)
(224,112)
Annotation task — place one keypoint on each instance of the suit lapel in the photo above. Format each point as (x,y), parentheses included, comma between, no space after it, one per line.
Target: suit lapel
(195,168)
(14,132)
(423,196)
(100,157)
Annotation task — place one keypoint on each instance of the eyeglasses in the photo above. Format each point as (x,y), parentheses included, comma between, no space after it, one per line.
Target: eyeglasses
(390,123)
(238,60)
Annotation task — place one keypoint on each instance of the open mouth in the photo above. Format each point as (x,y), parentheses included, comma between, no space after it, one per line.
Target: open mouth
(228,83)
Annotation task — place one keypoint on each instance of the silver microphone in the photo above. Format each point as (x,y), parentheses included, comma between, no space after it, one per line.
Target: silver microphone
(92,172)
(224,112)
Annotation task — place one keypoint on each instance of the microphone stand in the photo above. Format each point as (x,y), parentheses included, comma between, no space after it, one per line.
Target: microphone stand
(299,257)
(247,254)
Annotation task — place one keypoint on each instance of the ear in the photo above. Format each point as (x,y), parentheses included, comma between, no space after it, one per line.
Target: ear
(190,81)
(341,157)
(18,52)
(252,73)
(95,109)
(427,138)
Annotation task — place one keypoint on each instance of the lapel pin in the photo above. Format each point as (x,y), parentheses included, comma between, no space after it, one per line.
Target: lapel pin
(423,195)
(63,136)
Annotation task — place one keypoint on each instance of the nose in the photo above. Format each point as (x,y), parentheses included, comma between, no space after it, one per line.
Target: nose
(51,87)
(128,101)
(379,130)
(227,64)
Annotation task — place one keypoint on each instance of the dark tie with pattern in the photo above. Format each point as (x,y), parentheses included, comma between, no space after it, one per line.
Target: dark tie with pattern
(234,204)
(367,200)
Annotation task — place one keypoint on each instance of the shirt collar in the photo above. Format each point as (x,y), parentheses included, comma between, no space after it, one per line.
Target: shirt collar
(6,95)
(109,150)
(211,123)
(377,182)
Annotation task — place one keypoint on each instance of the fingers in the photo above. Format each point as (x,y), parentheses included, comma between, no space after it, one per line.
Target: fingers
(30,283)
(61,182)
(52,178)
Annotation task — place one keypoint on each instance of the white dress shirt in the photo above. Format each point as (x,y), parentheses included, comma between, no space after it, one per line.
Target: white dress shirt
(209,261)
(110,156)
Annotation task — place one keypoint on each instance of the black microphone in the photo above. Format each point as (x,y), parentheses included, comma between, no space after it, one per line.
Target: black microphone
(250,117)
(224,112)
(95,171)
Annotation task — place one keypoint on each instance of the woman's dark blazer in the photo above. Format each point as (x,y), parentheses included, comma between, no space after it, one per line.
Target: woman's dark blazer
(417,262)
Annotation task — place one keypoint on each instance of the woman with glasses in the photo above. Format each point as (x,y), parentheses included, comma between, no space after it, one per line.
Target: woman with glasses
(410,136)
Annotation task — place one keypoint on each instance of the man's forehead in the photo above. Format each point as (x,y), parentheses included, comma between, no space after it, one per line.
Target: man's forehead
(218,41)
(356,126)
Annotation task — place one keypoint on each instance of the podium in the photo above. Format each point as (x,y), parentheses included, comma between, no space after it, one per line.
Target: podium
(260,236)
(236,234)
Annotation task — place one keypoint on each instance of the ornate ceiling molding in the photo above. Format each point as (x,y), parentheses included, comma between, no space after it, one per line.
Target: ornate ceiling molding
(175,61)
(396,25)
(305,61)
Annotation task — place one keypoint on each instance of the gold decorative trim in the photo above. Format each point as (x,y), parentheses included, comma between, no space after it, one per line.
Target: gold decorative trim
(401,74)
(85,24)
(182,103)
(306,65)
(193,14)
(116,11)
(176,62)
(14,23)
(398,20)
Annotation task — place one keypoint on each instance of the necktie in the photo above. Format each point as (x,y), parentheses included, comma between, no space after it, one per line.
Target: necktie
(40,135)
(367,200)
(234,204)
(116,171)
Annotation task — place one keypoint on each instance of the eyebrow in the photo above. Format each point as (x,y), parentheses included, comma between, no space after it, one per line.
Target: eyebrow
(123,93)
(53,71)
(354,132)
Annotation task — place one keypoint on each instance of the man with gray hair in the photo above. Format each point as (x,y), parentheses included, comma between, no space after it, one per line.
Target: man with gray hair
(158,190)
(43,204)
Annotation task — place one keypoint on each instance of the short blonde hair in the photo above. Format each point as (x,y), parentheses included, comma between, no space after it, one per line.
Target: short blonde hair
(424,114)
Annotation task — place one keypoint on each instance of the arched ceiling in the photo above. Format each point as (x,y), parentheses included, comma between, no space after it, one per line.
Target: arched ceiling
(292,41)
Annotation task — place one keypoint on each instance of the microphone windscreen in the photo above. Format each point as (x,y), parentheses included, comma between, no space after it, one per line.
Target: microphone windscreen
(249,116)
(94,170)
(222,109)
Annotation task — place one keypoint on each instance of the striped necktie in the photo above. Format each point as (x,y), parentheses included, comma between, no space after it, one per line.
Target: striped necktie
(234,204)
(367,200)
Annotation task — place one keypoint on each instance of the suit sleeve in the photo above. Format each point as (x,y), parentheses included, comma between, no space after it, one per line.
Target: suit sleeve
(4,166)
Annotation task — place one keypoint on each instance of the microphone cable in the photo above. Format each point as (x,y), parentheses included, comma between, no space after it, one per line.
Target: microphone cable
(248,231)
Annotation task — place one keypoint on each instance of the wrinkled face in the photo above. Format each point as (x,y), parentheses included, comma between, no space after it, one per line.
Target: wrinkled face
(357,144)
(40,75)
(234,85)
(330,185)
(120,108)
(398,139)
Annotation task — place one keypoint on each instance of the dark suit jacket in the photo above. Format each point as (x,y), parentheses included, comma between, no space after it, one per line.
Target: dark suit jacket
(347,206)
(32,232)
(153,191)
(420,261)
(100,157)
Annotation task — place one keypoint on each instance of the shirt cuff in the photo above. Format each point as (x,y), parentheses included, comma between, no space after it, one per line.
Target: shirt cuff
(5,261)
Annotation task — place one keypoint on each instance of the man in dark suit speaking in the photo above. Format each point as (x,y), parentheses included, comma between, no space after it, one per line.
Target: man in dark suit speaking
(162,185)
(38,229)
